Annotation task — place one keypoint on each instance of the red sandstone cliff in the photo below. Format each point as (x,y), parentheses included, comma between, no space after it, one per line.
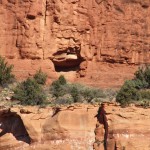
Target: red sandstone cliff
(94,39)
(73,128)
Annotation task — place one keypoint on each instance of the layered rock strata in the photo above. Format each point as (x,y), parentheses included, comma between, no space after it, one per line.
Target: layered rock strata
(72,128)
(68,36)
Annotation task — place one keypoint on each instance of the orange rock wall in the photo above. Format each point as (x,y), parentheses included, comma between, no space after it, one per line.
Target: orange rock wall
(73,34)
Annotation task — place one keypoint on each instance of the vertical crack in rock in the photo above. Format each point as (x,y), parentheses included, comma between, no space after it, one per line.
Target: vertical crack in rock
(101,131)
(45,3)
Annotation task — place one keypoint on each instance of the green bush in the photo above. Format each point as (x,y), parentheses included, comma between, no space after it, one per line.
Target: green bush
(127,93)
(139,74)
(145,94)
(143,77)
(58,87)
(140,84)
(147,75)
(6,75)
(77,92)
(110,94)
(66,99)
(62,80)
(40,77)
(29,92)
(145,103)
(135,89)
(90,93)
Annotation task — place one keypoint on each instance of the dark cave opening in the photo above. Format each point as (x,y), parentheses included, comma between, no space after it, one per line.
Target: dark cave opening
(68,60)
(12,123)
(67,69)
(31,17)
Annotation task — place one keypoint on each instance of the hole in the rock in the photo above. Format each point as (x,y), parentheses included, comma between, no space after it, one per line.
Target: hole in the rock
(56,19)
(12,123)
(66,69)
(67,60)
(145,6)
(31,17)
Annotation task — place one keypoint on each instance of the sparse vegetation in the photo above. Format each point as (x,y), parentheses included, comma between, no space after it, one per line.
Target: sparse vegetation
(6,75)
(72,93)
(62,80)
(127,93)
(40,77)
(29,92)
(58,87)
(145,94)
(136,89)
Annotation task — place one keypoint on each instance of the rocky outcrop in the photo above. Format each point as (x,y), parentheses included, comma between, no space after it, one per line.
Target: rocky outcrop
(72,128)
(128,129)
(73,36)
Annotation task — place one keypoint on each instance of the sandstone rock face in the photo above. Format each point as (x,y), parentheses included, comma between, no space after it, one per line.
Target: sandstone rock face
(74,128)
(64,34)
(128,129)
(71,128)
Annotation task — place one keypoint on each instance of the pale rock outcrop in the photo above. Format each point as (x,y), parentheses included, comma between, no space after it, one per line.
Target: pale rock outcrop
(72,128)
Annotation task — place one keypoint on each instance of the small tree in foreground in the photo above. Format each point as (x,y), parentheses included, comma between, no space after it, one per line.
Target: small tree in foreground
(29,92)
(6,75)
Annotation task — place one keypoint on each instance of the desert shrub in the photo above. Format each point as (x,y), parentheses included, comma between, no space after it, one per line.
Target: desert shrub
(59,87)
(140,84)
(147,75)
(110,94)
(139,74)
(56,89)
(29,92)
(145,103)
(90,93)
(6,75)
(142,77)
(40,77)
(127,93)
(77,92)
(135,89)
(66,99)
(62,80)
(145,94)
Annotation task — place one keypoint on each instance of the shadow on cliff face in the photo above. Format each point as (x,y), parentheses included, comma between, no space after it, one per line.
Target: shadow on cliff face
(12,123)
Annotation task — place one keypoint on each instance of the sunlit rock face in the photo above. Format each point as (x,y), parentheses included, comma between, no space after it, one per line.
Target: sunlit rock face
(128,129)
(69,129)
(61,35)
(74,127)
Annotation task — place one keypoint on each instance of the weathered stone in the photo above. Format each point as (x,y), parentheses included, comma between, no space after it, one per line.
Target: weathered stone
(99,31)
(71,129)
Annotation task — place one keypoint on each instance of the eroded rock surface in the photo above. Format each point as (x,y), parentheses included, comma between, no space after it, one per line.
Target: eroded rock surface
(72,128)
(62,35)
